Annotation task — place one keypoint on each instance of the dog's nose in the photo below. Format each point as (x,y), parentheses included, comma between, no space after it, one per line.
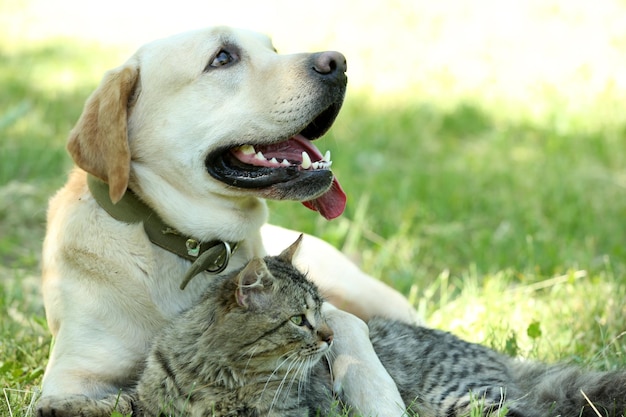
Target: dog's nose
(329,63)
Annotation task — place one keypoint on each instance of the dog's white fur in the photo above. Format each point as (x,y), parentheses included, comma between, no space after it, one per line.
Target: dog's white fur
(107,289)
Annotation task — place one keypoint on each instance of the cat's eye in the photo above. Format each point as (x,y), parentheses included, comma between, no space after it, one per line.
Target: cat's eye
(298,320)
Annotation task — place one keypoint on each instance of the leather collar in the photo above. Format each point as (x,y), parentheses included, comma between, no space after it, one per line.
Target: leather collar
(212,257)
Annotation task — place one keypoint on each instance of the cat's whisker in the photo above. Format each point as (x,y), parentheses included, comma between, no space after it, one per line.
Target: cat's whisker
(250,351)
(250,356)
(289,357)
(305,372)
(303,375)
(294,364)
(330,358)
(299,364)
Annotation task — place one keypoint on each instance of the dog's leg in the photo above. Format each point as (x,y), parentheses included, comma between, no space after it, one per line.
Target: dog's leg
(339,279)
(358,375)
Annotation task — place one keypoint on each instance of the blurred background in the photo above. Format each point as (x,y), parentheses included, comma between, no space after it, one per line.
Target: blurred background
(503,49)
(482,146)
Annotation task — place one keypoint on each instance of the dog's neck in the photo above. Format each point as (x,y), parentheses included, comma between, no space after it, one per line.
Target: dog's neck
(197,207)
(212,257)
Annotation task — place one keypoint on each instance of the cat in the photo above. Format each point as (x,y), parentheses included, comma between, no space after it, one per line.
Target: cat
(251,347)
(258,344)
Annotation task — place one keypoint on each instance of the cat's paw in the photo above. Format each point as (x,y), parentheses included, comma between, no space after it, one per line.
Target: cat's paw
(81,405)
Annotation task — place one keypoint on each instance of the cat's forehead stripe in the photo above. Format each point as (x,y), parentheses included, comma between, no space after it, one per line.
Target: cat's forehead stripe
(310,302)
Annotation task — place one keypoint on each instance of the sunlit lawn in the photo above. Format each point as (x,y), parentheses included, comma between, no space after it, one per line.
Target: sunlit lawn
(503,220)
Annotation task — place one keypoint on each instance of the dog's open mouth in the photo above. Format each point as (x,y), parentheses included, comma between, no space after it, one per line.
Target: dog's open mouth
(292,169)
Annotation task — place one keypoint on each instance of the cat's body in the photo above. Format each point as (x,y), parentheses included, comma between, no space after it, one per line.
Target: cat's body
(246,350)
(253,348)
(440,375)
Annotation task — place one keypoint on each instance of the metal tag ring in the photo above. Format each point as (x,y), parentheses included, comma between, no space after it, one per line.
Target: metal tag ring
(222,260)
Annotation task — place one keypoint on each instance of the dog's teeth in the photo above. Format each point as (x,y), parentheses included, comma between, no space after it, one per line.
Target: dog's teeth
(326,156)
(315,165)
(285,163)
(247,149)
(260,156)
(274,161)
(306,161)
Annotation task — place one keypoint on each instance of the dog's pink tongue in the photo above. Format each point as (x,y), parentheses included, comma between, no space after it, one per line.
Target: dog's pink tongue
(330,204)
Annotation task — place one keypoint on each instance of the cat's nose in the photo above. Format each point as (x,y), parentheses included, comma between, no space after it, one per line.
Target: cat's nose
(327,337)
(325,334)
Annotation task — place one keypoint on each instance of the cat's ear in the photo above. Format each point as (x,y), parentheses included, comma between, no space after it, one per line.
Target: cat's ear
(250,282)
(288,254)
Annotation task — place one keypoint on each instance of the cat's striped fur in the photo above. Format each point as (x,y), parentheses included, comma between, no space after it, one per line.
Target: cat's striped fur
(440,375)
(247,349)
(253,348)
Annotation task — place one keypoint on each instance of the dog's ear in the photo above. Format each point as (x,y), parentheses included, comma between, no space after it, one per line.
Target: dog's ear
(99,141)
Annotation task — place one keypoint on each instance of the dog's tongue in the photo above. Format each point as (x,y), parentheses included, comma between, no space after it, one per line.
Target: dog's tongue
(332,203)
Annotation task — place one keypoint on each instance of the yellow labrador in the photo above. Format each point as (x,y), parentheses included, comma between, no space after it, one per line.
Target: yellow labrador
(176,151)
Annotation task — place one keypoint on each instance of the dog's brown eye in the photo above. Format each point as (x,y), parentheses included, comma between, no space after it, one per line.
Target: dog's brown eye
(222,58)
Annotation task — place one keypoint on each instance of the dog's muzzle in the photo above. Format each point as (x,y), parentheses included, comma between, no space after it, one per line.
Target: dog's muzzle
(293,168)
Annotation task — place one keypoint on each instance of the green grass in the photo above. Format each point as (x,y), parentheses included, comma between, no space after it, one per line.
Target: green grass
(502,226)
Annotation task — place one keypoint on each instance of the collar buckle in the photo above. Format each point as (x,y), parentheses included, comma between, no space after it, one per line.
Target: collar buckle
(193,247)
(213,260)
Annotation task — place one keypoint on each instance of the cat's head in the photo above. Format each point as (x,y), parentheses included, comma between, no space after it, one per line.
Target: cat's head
(276,313)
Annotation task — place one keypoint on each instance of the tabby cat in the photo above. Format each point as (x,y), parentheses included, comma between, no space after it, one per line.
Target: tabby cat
(257,345)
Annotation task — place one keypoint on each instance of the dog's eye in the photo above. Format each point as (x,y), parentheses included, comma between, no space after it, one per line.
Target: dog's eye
(222,58)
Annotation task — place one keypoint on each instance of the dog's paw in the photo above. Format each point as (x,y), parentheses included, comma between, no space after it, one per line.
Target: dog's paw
(359,377)
(365,385)
(80,405)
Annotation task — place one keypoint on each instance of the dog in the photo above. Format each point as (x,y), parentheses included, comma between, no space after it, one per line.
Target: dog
(175,152)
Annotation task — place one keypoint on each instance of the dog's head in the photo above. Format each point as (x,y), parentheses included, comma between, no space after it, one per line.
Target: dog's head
(216,112)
